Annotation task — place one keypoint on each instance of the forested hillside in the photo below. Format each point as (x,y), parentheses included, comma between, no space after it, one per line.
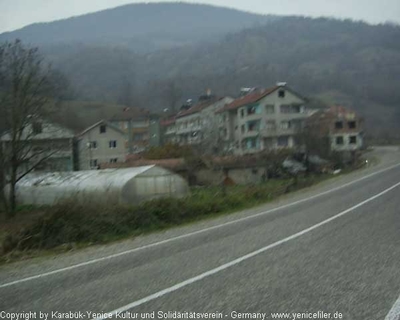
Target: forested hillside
(141,27)
(339,61)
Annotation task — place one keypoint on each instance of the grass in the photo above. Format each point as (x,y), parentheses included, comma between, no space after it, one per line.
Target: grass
(72,224)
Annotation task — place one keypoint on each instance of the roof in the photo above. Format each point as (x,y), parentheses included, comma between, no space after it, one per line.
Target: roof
(100,123)
(198,107)
(50,131)
(84,181)
(167,122)
(339,110)
(249,98)
(330,113)
(256,96)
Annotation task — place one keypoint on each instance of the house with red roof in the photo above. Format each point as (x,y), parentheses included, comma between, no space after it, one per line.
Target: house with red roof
(262,119)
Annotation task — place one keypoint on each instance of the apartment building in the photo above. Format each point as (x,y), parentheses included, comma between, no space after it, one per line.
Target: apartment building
(168,130)
(198,125)
(138,125)
(262,120)
(101,143)
(47,146)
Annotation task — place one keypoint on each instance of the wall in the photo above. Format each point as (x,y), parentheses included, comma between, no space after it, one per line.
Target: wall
(155,133)
(103,153)
(263,138)
(346,146)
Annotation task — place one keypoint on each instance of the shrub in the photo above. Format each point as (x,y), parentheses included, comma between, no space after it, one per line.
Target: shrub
(75,222)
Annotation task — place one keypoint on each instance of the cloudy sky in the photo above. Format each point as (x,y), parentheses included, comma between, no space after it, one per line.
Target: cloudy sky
(15,14)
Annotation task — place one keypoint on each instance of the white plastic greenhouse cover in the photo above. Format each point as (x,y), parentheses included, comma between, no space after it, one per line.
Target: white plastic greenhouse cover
(130,185)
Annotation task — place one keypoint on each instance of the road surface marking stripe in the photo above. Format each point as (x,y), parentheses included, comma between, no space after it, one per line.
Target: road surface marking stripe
(245,257)
(394,313)
(83,264)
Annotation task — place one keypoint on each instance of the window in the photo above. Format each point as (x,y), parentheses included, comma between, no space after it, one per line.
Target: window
(285,125)
(112,144)
(113,160)
(103,128)
(339,140)
(242,113)
(37,128)
(92,144)
(297,109)
(338,125)
(253,125)
(353,139)
(253,110)
(281,93)
(252,143)
(270,125)
(270,108)
(93,163)
(283,141)
(287,108)
(242,128)
(352,124)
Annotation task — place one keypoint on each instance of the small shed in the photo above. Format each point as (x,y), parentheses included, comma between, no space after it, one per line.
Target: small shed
(128,186)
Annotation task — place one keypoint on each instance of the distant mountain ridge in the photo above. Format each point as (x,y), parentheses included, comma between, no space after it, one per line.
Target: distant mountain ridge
(141,27)
(176,51)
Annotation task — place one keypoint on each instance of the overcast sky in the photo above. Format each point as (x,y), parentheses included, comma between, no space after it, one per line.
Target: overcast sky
(15,14)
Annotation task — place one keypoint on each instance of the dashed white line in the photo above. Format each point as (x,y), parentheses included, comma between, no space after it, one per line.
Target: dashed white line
(86,263)
(245,257)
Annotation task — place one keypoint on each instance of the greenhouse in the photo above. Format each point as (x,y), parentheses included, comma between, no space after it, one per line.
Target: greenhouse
(124,186)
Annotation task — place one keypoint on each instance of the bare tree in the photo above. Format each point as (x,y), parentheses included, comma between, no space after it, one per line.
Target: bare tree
(3,200)
(25,92)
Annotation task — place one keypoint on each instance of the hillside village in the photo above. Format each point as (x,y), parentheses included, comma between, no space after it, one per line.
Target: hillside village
(181,160)
(256,121)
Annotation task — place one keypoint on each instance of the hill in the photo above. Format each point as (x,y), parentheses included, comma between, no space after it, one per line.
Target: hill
(339,61)
(141,27)
(344,62)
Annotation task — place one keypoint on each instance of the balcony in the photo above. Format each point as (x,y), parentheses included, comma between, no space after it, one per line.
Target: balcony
(294,116)
(188,129)
(275,132)
(249,134)
(251,117)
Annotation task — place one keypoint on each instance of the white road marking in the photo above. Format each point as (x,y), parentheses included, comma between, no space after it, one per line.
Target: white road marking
(394,313)
(245,257)
(86,263)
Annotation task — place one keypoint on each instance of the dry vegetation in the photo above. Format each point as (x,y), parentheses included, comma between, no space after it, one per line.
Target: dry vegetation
(72,224)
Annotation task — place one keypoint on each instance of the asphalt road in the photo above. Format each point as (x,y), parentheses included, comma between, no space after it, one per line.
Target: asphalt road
(330,250)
